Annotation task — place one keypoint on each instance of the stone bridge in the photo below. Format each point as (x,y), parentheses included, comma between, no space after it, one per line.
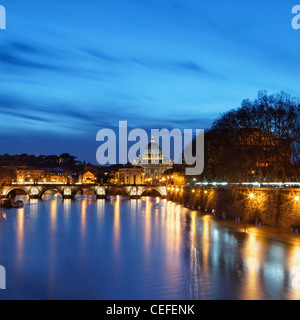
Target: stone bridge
(36,191)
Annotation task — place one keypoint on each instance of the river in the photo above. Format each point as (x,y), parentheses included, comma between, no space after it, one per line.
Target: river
(120,249)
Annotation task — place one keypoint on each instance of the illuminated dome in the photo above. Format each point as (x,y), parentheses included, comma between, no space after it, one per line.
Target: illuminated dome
(152,152)
(153,162)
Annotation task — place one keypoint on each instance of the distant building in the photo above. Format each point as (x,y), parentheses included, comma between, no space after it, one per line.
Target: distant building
(58,179)
(153,162)
(246,155)
(57,175)
(262,147)
(89,178)
(130,175)
(30,175)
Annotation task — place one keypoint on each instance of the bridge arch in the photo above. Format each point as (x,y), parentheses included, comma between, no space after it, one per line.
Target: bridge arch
(116,190)
(11,190)
(154,190)
(82,189)
(54,189)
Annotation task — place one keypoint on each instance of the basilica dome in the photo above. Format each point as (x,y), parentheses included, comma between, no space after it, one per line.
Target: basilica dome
(152,152)
(153,162)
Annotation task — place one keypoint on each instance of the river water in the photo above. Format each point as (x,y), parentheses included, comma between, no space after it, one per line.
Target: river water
(119,249)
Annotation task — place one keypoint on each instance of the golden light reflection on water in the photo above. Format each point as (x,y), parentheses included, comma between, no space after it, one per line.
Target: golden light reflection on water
(196,250)
(53,215)
(148,223)
(83,217)
(194,281)
(20,221)
(172,223)
(260,265)
(252,253)
(206,243)
(116,225)
(52,242)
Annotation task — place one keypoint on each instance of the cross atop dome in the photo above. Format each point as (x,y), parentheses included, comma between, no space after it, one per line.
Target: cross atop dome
(152,139)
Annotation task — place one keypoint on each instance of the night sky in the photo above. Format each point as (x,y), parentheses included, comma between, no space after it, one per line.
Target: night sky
(69,68)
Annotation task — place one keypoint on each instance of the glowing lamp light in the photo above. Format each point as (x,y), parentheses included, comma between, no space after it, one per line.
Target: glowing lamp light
(296,198)
(251,195)
(193,191)
(205,191)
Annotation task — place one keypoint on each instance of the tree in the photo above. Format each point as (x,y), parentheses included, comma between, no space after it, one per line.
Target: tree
(258,140)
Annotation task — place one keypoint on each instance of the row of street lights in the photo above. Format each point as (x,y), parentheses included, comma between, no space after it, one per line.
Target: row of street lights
(251,195)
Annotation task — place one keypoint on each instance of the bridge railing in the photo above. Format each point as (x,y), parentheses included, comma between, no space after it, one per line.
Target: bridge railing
(249,184)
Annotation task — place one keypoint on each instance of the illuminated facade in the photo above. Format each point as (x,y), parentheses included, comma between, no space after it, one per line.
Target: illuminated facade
(30,175)
(153,162)
(57,179)
(131,175)
(89,178)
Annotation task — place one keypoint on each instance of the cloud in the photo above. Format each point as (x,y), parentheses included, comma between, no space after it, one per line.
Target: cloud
(13,60)
(21,55)
(23,47)
(102,55)
(190,66)
(152,62)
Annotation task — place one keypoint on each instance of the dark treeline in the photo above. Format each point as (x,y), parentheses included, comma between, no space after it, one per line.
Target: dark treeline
(40,161)
(259,141)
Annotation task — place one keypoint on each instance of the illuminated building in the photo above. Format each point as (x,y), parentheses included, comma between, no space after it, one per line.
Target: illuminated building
(30,175)
(131,175)
(89,178)
(153,162)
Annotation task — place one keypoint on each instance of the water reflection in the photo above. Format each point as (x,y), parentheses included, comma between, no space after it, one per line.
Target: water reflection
(117,230)
(100,208)
(67,211)
(83,218)
(53,214)
(141,249)
(20,223)
(148,222)
(252,252)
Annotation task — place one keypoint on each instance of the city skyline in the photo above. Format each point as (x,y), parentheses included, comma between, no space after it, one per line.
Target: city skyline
(70,69)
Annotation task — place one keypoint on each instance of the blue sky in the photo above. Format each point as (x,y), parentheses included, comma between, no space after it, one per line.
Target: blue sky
(69,68)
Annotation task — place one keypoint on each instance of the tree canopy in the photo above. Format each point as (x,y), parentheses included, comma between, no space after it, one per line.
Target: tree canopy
(260,140)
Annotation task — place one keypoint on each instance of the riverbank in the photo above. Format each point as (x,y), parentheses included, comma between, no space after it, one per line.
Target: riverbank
(274,207)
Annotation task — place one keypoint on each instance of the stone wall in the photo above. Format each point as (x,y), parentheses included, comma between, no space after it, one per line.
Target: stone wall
(277,207)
